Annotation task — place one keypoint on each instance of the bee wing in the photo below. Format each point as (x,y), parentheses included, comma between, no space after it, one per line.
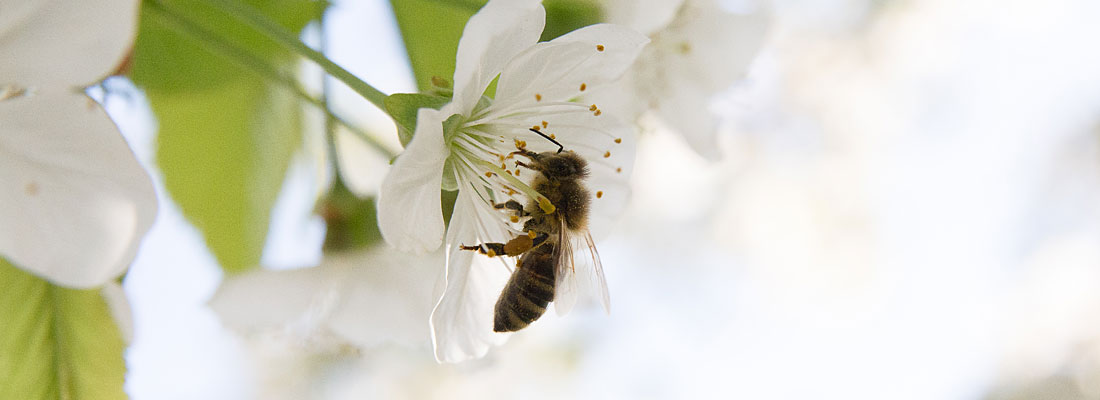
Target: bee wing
(600,282)
(565,288)
(590,268)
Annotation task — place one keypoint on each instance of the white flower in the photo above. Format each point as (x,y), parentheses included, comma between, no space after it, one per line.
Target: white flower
(74,202)
(464,146)
(363,298)
(697,50)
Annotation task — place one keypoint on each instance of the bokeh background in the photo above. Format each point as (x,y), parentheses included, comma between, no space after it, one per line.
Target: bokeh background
(906,208)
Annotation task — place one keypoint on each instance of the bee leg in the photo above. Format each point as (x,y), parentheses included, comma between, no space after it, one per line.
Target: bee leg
(489,249)
(514,206)
(526,153)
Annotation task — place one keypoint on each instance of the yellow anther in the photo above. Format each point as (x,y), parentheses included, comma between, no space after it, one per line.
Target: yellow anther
(514,218)
(606,154)
(531,234)
(517,171)
(552,136)
(544,204)
(599,194)
(618,140)
(491,253)
(488,174)
(592,108)
(597,113)
(536,127)
(584,86)
(544,123)
(538,97)
(619,170)
(599,47)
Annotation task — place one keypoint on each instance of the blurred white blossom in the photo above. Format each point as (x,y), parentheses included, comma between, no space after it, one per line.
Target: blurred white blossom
(698,49)
(362,298)
(75,202)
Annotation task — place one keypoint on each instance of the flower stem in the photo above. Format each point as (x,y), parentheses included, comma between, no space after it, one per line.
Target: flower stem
(277,33)
(258,66)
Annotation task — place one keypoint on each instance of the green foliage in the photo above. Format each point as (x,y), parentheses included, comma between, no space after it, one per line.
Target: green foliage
(351,222)
(403,107)
(56,343)
(431,29)
(226,133)
(564,16)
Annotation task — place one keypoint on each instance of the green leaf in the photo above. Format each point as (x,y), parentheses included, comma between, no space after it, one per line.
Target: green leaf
(56,343)
(564,16)
(224,155)
(226,133)
(431,29)
(403,107)
(350,222)
(167,60)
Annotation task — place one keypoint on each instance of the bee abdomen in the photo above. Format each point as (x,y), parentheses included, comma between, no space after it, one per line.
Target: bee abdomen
(527,293)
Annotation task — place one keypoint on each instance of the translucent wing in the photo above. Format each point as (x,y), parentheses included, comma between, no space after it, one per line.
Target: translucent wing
(599,283)
(565,289)
(589,268)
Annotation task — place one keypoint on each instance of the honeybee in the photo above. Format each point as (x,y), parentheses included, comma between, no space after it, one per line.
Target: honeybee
(546,271)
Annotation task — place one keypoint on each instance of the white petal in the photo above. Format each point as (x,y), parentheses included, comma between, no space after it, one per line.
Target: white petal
(711,47)
(645,16)
(462,321)
(556,70)
(610,164)
(272,300)
(119,307)
(74,203)
(389,296)
(686,109)
(410,213)
(499,31)
(63,43)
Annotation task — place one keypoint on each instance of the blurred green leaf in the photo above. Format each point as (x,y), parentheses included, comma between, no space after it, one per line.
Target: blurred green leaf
(226,133)
(564,16)
(431,29)
(403,107)
(56,343)
(167,60)
(351,222)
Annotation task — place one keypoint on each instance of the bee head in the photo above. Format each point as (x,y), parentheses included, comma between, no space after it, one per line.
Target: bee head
(564,165)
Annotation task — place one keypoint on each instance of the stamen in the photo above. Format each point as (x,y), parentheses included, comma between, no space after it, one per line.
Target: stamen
(517,171)
(488,174)
(592,108)
(606,154)
(597,113)
(599,47)
(538,97)
(544,123)
(599,194)
(618,140)
(552,136)
(545,205)
(619,170)
(583,86)
(520,144)
(535,128)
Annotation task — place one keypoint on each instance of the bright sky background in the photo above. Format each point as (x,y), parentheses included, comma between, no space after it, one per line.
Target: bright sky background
(907,209)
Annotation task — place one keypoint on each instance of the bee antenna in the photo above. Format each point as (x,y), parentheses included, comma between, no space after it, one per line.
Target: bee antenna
(560,147)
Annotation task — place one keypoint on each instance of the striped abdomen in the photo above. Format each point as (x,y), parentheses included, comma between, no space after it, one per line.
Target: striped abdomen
(527,293)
